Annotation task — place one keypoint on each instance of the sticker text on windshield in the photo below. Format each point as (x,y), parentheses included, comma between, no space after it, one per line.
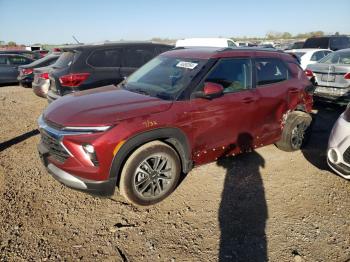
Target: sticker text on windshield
(187,65)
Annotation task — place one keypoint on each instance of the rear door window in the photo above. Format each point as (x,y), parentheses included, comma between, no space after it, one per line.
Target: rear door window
(3,60)
(18,60)
(233,74)
(270,71)
(137,56)
(106,58)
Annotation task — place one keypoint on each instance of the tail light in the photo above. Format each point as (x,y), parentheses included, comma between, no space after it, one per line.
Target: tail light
(27,71)
(347,76)
(309,73)
(73,80)
(44,75)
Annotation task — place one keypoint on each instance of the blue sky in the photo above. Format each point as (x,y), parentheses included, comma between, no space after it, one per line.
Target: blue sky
(54,22)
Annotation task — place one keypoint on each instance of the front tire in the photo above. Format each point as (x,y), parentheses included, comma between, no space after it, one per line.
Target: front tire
(150,174)
(296,131)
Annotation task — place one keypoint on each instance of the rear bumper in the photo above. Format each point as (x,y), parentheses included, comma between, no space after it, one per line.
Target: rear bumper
(25,79)
(40,90)
(340,100)
(333,98)
(105,188)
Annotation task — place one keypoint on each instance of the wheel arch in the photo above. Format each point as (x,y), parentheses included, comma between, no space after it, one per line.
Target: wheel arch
(174,137)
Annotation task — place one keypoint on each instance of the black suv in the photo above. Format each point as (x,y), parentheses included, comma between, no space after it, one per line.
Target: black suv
(84,67)
(333,42)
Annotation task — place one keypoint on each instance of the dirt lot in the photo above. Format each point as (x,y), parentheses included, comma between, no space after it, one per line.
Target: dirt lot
(265,205)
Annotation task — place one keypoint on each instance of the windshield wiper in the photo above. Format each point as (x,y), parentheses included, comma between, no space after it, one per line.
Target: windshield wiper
(164,96)
(139,91)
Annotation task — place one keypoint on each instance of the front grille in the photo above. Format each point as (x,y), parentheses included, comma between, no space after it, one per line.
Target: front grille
(346,155)
(54,146)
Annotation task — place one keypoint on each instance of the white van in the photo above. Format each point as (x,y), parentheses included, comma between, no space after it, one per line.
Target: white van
(208,42)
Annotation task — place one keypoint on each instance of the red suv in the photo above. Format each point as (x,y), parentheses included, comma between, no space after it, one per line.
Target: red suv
(184,108)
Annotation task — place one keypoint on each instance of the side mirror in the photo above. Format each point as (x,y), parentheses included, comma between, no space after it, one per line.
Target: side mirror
(211,90)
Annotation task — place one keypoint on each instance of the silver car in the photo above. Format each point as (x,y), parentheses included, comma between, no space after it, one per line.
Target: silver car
(41,81)
(331,76)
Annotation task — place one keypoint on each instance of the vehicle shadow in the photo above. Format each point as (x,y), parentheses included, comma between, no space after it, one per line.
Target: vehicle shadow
(243,208)
(18,139)
(315,151)
(8,84)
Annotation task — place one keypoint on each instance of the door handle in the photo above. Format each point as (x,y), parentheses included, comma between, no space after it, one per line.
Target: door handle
(293,90)
(248,100)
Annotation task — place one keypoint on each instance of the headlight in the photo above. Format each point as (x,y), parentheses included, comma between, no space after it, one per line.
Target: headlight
(333,156)
(90,152)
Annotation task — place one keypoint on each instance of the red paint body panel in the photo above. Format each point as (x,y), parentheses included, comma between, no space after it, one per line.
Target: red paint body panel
(213,128)
(102,106)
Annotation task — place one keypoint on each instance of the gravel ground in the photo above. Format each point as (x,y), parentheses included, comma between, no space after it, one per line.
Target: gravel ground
(265,205)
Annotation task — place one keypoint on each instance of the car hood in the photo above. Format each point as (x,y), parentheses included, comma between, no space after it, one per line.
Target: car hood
(102,106)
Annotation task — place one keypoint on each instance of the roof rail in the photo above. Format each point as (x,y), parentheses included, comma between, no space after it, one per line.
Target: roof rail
(179,47)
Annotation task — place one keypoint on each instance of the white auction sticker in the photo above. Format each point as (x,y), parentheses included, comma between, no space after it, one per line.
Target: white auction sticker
(188,65)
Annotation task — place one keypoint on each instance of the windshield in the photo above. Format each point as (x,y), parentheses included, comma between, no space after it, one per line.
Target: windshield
(342,57)
(164,77)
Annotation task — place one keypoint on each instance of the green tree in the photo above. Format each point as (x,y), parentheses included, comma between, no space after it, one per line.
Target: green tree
(286,35)
(11,43)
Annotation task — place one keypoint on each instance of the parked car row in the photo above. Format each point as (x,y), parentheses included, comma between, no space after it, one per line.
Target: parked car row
(309,56)
(26,72)
(138,115)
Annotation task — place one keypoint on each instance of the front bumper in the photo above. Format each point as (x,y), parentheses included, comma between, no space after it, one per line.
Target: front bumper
(339,144)
(95,187)
(70,171)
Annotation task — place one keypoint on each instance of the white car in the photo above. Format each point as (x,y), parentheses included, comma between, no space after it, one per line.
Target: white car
(207,42)
(309,56)
(338,154)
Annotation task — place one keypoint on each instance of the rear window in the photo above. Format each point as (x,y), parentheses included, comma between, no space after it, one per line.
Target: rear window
(45,61)
(317,42)
(340,43)
(65,59)
(340,57)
